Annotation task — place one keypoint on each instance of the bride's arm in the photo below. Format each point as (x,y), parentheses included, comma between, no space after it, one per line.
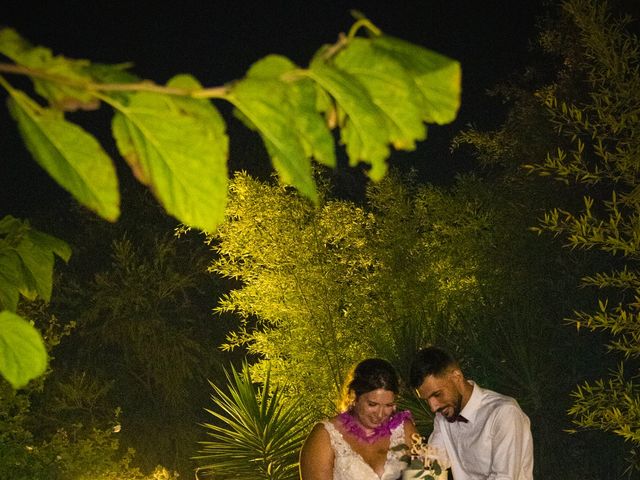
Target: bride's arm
(316,456)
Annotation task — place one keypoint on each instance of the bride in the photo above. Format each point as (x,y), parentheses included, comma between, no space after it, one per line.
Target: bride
(358,443)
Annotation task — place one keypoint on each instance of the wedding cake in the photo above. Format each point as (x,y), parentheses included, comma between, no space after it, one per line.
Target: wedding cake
(428,462)
(423,474)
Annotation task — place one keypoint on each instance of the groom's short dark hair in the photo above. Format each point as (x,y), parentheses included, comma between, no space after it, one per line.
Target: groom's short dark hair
(429,361)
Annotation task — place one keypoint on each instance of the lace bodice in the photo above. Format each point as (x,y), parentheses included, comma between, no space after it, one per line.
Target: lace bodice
(349,465)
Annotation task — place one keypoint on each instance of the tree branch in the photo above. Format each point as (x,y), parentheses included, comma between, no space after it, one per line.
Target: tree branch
(142,86)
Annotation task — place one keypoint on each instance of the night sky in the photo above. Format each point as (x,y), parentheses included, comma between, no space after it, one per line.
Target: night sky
(218,41)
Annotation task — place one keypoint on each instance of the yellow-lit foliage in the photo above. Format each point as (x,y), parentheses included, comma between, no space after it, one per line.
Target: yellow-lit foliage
(324,287)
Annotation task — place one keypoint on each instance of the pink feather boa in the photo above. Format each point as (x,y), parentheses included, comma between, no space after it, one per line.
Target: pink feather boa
(352,426)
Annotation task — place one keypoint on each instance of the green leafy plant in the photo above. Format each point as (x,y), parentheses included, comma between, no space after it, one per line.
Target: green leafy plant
(144,340)
(258,431)
(323,287)
(26,269)
(378,90)
(580,127)
(600,154)
(32,448)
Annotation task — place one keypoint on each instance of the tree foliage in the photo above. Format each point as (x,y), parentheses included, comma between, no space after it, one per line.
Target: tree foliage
(602,129)
(322,286)
(578,124)
(137,301)
(31,448)
(145,341)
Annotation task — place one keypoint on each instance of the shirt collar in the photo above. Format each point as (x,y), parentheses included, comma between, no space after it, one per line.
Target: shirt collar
(471,408)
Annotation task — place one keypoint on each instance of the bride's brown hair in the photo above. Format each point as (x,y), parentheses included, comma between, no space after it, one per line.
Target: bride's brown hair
(367,376)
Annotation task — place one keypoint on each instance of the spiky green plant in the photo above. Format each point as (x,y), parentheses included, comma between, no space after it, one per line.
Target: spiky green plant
(258,433)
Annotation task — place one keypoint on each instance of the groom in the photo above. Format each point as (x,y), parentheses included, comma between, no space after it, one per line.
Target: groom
(487,436)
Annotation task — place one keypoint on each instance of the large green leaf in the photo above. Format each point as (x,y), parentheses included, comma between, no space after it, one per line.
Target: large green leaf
(26,261)
(23,356)
(178,147)
(285,115)
(366,130)
(69,154)
(438,77)
(390,87)
(301,106)
(262,99)
(37,253)
(50,243)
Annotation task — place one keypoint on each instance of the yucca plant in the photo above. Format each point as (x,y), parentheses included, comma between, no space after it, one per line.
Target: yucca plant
(258,433)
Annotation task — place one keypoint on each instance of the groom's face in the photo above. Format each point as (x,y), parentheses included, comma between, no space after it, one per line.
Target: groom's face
(442,393)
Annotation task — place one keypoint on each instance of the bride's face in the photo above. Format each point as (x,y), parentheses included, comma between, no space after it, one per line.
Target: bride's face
(373,408)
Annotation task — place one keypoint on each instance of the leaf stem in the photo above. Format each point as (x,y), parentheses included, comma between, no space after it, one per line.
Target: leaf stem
(363,23)
(142,86)
(343,40)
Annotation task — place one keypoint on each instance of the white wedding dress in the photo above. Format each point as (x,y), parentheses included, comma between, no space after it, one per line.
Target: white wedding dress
(349,465)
